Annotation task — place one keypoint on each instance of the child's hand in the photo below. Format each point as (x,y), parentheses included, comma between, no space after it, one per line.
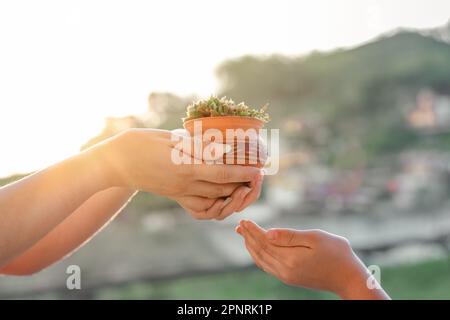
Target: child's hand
(311,258)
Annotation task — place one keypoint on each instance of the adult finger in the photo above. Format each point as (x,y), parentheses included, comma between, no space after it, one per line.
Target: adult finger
(221,173)
(196,147)
(215,209)
(199,215)
(212,190)
(256,186)
(237,198)
(196,204)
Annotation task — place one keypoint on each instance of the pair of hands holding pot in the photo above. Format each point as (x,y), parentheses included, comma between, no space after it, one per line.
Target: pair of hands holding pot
(206,191)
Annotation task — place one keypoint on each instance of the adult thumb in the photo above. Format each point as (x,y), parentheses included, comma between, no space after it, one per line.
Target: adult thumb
(195,147)
(215,151)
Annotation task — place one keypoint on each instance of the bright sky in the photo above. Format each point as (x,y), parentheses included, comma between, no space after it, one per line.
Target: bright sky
(66,65)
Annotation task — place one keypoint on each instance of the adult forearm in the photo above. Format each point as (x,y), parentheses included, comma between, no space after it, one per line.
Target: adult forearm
(137,160)
(70,234)
(33,206)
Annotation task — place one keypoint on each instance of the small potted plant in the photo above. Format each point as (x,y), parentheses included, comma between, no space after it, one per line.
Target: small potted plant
(225,115)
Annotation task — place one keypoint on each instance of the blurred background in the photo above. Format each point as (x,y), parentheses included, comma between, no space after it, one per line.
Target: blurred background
(360,91)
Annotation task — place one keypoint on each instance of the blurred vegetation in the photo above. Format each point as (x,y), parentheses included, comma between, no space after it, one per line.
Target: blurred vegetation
(216,107)
(348,98)
(347,107)
(425,280)
(10,179)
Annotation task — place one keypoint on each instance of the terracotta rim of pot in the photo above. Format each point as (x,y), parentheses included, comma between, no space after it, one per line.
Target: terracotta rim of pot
(224,122)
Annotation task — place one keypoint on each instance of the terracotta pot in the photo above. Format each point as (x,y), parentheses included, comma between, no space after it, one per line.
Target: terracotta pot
(243,152)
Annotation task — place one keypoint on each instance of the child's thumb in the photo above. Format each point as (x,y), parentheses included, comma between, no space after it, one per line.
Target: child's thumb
(289,237)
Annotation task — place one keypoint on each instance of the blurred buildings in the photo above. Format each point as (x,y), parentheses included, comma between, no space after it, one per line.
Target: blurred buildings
(431,114)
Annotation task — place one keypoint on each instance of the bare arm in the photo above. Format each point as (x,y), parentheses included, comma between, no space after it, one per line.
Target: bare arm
(72,233)
(33,206)
(47,215)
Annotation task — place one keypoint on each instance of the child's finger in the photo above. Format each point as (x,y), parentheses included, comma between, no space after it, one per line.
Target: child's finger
(291,238)
(260,260)
(266,258)
(259,235)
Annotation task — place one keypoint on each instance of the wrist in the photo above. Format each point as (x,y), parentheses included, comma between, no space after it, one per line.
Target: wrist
(116,156)
(356,286)
(355,282)
(101,161)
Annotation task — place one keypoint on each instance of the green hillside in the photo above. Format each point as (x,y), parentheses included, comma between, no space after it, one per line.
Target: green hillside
(358,95)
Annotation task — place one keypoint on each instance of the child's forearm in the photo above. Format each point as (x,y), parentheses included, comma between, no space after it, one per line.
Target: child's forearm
(73,232)
(361,285)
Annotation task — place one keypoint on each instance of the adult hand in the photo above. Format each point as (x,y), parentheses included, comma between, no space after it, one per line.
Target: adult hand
(219,209)
(142,159)
(309,258)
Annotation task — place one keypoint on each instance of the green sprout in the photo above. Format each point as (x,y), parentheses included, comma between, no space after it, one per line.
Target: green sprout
(217,107)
